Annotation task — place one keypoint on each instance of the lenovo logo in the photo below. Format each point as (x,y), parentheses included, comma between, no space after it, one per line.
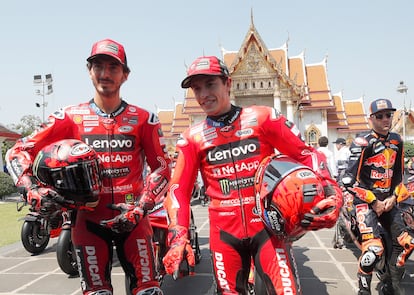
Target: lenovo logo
(118,143)
(228,153)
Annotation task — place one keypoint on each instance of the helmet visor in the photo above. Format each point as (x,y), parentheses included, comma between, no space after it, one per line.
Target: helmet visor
(80,180)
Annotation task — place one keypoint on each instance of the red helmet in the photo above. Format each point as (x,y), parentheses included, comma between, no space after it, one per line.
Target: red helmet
(70,167)
(285,190)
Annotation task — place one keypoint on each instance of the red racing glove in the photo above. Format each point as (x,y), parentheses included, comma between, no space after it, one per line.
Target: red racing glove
(41,200)
(180,252)
(127,220)
(323,215)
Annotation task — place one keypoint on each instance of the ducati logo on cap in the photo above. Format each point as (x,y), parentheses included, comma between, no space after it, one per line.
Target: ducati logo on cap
(108,47)
(203,64)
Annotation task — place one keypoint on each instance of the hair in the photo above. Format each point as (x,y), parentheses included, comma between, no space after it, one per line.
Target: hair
(124,67)
(323,141)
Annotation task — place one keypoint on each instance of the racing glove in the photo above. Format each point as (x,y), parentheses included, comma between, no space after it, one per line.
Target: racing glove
(127,220)
(179,254)
(41,200)
(323,215)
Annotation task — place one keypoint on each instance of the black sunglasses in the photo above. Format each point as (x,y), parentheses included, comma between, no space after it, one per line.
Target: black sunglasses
(381,116)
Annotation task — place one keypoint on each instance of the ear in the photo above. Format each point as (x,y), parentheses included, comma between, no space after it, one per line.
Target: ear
(229,82)
(125,76)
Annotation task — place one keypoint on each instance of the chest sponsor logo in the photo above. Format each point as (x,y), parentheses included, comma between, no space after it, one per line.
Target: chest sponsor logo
(227,185)
(244,132)
(77,119)
(80,111)
(91,117)
(115,172)
(230,153)
(90,123)
(227,128)
(118,143)
(125,129)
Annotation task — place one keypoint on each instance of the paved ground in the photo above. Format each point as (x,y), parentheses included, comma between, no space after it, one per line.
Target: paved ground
(322,269)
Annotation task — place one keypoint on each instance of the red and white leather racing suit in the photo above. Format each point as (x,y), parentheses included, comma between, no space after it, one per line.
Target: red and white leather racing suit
(228,153)
(123,140)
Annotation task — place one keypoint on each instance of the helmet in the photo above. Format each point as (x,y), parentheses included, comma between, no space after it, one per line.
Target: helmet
(285,190)
(70,167)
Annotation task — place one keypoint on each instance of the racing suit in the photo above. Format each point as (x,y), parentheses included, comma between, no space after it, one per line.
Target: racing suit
(375,170)
(228,151)
(123,141)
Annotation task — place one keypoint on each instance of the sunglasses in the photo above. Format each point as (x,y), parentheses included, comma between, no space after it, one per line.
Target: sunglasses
(381,116)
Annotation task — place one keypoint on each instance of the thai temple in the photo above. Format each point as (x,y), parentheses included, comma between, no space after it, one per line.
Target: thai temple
(271,77)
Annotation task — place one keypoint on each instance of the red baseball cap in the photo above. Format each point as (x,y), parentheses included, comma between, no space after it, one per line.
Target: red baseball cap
(111,48)
(205,65)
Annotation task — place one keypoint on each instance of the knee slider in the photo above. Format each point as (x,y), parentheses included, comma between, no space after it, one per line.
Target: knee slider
(370,258)
(151,291)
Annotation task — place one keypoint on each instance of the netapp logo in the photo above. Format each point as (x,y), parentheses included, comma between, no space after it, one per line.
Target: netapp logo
(119,143)
(226,153)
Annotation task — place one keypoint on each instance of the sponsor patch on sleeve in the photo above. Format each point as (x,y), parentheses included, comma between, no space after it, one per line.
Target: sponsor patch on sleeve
(59,114)
(153,119)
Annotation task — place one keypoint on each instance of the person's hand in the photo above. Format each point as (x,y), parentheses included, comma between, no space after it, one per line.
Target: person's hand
(323,215)
(146,202)
(378,206)
(127,220)
(389,203)
(180,252)
(41,199)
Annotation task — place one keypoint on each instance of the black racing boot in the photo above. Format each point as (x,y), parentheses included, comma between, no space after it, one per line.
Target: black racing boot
(397,274)
(364,284)
(386,288)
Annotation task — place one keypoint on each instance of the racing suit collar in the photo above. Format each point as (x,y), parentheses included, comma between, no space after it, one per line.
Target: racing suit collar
(380,136)
(227,118)
(101,113)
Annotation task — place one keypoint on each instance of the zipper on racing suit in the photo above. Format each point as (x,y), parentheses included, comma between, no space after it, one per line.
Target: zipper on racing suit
(239,192)
(109,124)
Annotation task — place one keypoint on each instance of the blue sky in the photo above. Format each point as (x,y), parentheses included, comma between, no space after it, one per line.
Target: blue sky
(369,44)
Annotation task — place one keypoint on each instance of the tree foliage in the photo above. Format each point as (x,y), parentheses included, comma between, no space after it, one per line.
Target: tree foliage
(408,149)
(6,185)
(27,125)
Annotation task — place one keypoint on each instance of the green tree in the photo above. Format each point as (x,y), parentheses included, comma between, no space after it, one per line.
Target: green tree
(5,146)
(27,125)
(408,149)
(6,185)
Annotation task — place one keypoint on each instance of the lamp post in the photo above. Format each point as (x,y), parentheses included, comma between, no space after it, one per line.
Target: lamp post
(402,88)
(45,88)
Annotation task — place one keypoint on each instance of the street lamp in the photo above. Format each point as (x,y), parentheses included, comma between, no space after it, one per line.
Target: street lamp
(402,88)
(45,89)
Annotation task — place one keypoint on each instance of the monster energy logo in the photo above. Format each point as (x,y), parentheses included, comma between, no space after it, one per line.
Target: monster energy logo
(226,185)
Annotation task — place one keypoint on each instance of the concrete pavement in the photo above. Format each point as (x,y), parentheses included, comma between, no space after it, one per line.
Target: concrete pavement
(322,269)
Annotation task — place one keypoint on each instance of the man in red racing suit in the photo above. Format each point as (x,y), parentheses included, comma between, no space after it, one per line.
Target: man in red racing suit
(375,171)
(228,147)
(123,139)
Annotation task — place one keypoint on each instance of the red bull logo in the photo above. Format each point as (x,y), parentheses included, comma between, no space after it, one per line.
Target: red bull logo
(386,159)
(363,194)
